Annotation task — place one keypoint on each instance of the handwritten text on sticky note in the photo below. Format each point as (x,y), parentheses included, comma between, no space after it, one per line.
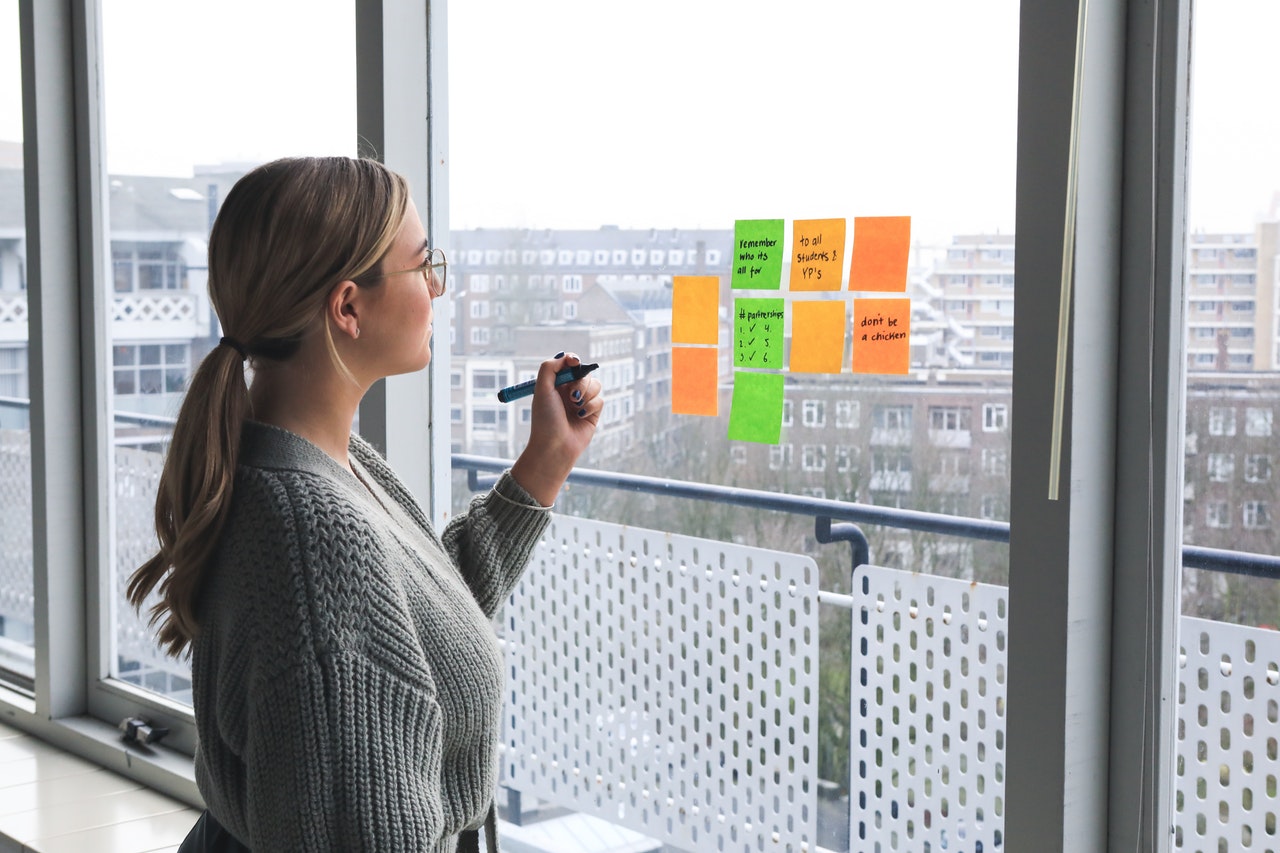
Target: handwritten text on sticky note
(757,254)
(817,254)
(881,335)
(757,332)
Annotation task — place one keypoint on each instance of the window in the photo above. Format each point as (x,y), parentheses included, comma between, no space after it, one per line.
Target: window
(146,266)
(1222,466)
(948,418)
(13,372)
(1257,515)
(786,413)
(1257,467)
(479,335)
(1222,421)
(995,463)
(570,310)
(738,453)
(478,283)
(1217,514)
(847,414)
(814,413)
(995,417)
(994,508)
(846,458)
(150,368)
(479,309)
(1257,421)
(813,457)
(892,417)
(572,284)
(779,457)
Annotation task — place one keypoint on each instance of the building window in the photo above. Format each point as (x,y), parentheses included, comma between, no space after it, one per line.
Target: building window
(478,283)
(150,368)
(1217,514)
(572,283)
(949,418)
(995,463)
(780,457)
(455,414)
(846,457)
(143,266)
(738,453)
(480,335)
(787,413)
(953,464)
(1256,515)
(1257,422)
(479,309)
(813,457)
(455,379)
(892,417)
(1257,467)
(489,418)
(995,417)
(847,414)
(13,372)
(1222,466)
(1222,420)
(994,508)
(814,413)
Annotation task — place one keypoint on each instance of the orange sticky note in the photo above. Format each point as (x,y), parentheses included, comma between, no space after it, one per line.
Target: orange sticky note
(881,335)
(817,336)
(694,380)
(817,254)
(695,309)
(881,247)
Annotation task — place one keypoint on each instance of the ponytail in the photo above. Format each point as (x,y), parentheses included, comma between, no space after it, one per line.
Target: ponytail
(194,495)
(288,231)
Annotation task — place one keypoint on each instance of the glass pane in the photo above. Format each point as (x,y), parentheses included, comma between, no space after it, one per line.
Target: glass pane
(1231,604)
(592,177)
(17,599)
(175,145)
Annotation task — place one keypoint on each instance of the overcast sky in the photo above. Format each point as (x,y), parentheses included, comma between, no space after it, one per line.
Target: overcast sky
(666,113)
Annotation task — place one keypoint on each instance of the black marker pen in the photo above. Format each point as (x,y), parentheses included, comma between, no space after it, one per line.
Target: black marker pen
(563,377)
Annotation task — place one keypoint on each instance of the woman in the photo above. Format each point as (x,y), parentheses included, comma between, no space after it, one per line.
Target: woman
(346,678)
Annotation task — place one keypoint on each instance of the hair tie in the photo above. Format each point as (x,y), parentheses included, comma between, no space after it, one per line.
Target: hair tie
(235,345)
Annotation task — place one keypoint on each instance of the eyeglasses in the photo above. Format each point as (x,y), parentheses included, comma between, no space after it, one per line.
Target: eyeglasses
(435,269)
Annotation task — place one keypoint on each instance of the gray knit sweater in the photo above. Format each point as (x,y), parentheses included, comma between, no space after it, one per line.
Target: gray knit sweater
(346,677)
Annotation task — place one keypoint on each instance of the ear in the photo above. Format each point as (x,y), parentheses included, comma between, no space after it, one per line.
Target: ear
(342,309)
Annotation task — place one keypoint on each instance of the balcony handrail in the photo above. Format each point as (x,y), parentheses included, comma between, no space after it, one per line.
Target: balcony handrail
(1193,556)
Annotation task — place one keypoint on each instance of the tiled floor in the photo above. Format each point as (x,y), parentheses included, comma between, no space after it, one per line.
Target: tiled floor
(53,802)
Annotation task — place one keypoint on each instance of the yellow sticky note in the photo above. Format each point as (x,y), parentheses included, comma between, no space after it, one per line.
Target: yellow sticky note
(695,381)
(881,335)
(695,309)
(817,254)
(817,336)
(881,248)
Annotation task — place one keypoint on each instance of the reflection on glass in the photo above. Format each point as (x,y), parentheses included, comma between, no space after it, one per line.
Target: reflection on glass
(169,169)
(17,599)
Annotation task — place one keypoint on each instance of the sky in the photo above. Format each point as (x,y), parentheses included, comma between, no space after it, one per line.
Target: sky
(664,113)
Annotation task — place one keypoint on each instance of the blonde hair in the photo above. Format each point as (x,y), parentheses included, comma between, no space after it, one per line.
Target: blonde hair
(287,233)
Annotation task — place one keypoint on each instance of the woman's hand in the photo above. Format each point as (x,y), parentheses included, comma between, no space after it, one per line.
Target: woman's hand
(563,421)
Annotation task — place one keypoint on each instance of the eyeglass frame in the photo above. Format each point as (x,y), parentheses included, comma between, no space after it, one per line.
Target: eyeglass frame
(427,268)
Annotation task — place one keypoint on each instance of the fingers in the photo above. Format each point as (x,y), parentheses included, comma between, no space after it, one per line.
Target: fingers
(584,400)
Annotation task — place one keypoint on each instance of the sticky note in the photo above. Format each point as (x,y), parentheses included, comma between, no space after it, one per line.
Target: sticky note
(757,333)
(881,248)
(694,381)
(817,254)
(695,309)
(757,254)
(881,335)
(756,413)
(817,336)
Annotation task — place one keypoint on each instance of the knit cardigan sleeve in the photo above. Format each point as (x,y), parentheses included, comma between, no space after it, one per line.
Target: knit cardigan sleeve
(328,733)
(490,542)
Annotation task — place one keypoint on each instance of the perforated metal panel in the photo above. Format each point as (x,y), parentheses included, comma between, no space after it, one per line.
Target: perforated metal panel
(667,684)
(1228,695)
(927,753)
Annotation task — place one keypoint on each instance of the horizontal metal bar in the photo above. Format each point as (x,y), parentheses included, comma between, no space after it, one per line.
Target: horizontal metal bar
(1193,556)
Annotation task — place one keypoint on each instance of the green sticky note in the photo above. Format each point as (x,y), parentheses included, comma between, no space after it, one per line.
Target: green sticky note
(756,413)
(757,254)
(757,333)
